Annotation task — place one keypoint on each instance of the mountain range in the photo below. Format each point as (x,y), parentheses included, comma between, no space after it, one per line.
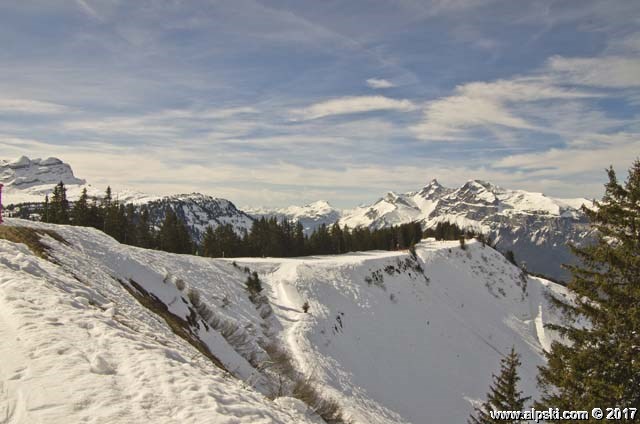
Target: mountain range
(536,227)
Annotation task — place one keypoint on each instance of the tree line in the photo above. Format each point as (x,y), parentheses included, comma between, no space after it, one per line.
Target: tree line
(132,225)
(270,237)
(126,223)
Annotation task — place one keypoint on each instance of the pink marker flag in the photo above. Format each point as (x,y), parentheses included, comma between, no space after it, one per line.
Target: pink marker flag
(0,203)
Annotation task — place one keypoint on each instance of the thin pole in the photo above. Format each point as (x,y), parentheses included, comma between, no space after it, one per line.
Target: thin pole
(1,203)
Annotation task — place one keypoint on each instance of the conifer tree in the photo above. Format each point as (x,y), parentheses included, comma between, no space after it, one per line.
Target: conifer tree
(210,244)
(298,240)
(337,239)
(503,394)
(58,209)
(80,212)
(600,364)
(144,236)
(130,233)
(45,209)
(174,236)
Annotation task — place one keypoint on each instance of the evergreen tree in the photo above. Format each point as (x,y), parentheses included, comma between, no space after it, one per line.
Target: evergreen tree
(210,244)
(174,235)
(58,209)
(80,213)
(130,228)
(144,236)
(107,197)
(110,212)
(503,393)
(337,239)
(299,240)
(96,215)
(511,257)
(45,209)
(600,364)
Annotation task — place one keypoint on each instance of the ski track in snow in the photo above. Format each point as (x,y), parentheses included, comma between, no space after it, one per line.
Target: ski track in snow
(405,347)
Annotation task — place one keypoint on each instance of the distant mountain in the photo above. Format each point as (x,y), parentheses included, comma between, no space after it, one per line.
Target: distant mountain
(536,227)
(24,173)
(27,180)
(311,216)
(30,180)
(199,211)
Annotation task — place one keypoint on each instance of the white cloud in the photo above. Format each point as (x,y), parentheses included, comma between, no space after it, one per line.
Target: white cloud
(610,72)
(353,104)
(485,105)
(379,83)
(170,123)
(88,9)
(30,107)
(576,159)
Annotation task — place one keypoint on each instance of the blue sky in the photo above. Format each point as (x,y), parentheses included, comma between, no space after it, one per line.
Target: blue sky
(286,102)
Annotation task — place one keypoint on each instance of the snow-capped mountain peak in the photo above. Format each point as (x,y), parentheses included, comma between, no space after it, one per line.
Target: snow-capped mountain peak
(311,215)
(24,173)
(536,226)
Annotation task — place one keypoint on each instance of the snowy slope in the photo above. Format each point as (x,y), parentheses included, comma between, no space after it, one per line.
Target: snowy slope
(404,349)
(76,347)
(393,338)
(311,216)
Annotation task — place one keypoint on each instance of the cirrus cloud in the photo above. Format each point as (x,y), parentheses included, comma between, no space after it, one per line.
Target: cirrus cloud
(352,104)
(379,83)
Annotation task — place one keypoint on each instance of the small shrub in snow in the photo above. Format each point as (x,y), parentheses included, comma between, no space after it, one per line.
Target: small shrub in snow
(194,297)
(328,409)
(412,251)
(225,302)
(280,361)
(265,311)
(180,285)
(254,285)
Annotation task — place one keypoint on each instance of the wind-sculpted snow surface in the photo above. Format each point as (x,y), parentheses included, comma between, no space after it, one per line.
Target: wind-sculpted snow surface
(392,337)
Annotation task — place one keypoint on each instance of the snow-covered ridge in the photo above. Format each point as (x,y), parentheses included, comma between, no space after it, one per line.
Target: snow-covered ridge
(30,180)
(200,211)
(395,338)
(535,226)
(311,216)
(24,173)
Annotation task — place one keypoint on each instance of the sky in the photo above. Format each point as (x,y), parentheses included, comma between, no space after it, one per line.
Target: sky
(275,103)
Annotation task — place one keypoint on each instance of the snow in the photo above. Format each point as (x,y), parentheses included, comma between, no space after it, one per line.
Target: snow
(30,180)
(436,201)
(391,343)
(78,348)
(311,216)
